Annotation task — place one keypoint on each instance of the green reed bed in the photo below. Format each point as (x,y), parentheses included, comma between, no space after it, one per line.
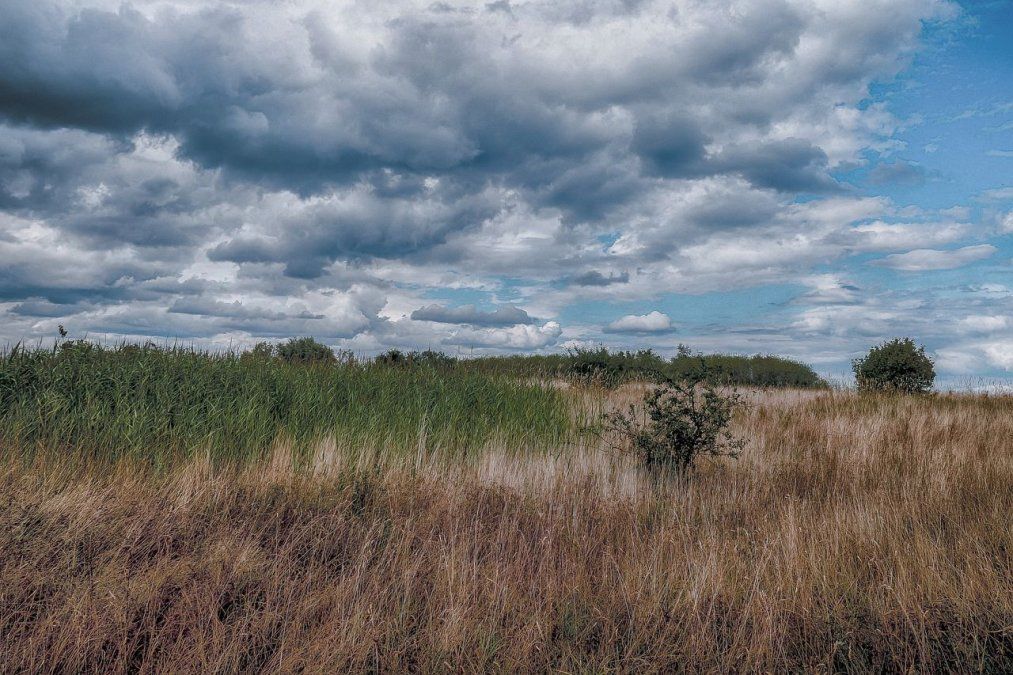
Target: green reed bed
(161,404)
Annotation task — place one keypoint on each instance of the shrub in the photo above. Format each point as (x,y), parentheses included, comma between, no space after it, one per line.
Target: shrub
(599,367)
(262,351)
(747,371)
(304,350)
(684,421)
(391,357)
(427,359)
(897,365)
(432,359)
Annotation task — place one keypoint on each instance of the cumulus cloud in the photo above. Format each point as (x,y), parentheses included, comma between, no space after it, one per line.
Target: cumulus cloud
(924,259)
(515,337)
(1000,353)
(236,170)
(652,322)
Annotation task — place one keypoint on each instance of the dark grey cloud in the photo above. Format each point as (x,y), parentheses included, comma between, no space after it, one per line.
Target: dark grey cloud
(330,163)
(359,224)
(507,315)
(432,100)
(234,310)
(596,278)
(789,165)
(45,308)
(671,145)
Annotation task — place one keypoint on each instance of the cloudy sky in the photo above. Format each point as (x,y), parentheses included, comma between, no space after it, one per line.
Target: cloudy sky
(803,177)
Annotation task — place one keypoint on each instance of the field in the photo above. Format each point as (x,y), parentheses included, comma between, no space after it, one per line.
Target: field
(175,512)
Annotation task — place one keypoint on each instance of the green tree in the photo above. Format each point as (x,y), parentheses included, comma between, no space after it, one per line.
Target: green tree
(304,350)
(262,351)
(896,365)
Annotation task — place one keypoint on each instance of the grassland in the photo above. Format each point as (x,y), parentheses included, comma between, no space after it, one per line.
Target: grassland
(167,404)
(855,533)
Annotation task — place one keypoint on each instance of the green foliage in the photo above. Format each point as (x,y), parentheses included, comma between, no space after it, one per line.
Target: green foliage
(262,351)
(684,421)
(599,367)
(606,368)
(745,371)
(304,350)
(392,357)
(157,403)
(427,359)
(898,365)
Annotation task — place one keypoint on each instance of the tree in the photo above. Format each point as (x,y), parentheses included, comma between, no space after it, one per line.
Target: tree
(304,350)
(262,351)
(897,365)
(392,357)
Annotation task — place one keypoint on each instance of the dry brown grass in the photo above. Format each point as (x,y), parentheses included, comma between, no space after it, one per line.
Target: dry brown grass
(855,534)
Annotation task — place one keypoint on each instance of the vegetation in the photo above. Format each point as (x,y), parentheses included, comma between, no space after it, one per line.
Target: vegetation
(898,365)
(776,562)
(580,366)
(683,422)
(601,367)
(165,403)
(304,350)
(744,371)
(179,511)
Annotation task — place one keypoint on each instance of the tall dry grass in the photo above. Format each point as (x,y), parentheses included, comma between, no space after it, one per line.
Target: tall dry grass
(855,534)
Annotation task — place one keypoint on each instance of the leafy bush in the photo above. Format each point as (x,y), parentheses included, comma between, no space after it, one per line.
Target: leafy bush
(426,359)
(897,365)
(599,367)
(304,350)
(262,351)
(745,371)
(684,421)
(432,359)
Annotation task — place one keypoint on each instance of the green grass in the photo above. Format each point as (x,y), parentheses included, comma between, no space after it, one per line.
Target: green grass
(164,404)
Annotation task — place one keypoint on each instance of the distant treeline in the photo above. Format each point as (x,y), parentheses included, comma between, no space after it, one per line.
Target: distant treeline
(611,368)
(581,366)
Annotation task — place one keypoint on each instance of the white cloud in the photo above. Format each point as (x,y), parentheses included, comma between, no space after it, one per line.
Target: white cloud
(925,259)
(881,236)
(830,289)
(1000,353)
(998,194)
(1006,224)
(652,322)
(514,337)
(985,323)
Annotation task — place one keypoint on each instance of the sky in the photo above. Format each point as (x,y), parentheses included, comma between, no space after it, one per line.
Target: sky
(806,178)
